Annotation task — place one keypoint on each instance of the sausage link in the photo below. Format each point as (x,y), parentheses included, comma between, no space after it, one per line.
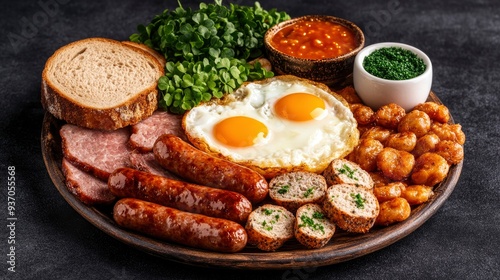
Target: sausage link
(127,182)
(181,158)
(189,229)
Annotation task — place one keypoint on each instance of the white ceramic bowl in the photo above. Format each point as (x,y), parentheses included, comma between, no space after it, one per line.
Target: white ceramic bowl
(376,92)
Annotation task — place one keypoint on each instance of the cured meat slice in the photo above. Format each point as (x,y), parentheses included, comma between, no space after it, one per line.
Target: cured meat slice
(89,189)
(145,133)
(146,162)
(97,152)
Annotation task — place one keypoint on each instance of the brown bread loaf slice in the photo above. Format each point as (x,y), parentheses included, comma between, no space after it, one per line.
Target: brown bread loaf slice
(352,208)
(269,227)
(101,83)
(313,229)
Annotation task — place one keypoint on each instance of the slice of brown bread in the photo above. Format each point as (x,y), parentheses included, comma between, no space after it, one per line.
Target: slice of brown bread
(342,171)
(352,208)
(269,227)
(313,229)
(294,189)
(101,83)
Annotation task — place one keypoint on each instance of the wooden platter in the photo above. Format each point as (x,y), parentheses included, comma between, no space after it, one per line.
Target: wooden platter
(343,246)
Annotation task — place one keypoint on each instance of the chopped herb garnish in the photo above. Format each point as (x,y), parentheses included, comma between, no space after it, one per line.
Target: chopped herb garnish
(394,63)
(308,192)
(266,227)
(360,202)
(347,171)
(284,189)
(267,212)
(309,222)
(318,215)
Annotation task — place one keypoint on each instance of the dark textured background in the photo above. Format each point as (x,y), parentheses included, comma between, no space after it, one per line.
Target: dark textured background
(461,241)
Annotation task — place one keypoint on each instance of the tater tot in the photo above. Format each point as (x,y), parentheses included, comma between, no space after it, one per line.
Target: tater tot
(415,121)
(388,191)
(365,154)
(379,179)
(452,132)
(393,211)
(403,141)
(378,133)
(430,169)
(417,194)
(394,164)
(450,150)
(363,114)
(437,112)
(349,94)
(389,115)
(426,143)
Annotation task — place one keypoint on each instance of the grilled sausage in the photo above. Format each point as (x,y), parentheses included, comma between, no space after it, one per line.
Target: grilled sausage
(181,158)
(190,229)
(127,182)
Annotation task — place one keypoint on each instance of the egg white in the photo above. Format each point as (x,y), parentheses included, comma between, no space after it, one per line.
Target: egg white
(311,144)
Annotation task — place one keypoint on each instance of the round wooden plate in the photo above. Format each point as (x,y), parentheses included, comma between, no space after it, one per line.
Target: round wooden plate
(343,246)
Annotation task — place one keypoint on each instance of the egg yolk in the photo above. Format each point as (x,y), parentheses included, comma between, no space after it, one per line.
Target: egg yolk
(239,131)
(299,107)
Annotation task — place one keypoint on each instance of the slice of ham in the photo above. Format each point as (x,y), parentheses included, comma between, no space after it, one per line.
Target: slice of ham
(146,162)
(145,133)
(89,189)
(95,151)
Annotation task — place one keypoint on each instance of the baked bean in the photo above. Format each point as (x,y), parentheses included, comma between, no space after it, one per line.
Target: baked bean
(403,141)
(394,164)
(417,194)
(389,115)
(426,143)
(388,191)
(365,154)
(430,169)
(437,112)
(415,121)
(451,151)
(363,114)
(393,211)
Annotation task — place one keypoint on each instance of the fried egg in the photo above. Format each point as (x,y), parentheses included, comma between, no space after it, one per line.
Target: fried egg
(277,125)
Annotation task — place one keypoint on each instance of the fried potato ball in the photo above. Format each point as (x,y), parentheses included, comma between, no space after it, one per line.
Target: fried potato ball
(379,179)
(450,150)
(403,141)
(426,143)
(437,112)
(389,115)
(417,194)
(393,211)
(415,121)
(365,154)
(350,95)
(363,114)
(394,164)
(388,191)
(452,132)
(378,133)
(430,169)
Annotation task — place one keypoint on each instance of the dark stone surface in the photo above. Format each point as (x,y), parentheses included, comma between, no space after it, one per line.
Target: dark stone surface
(461,241)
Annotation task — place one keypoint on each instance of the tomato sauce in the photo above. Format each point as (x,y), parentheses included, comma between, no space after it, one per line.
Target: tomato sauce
(315,39)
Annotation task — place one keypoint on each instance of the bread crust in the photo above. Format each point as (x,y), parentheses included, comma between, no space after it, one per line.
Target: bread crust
(133,110)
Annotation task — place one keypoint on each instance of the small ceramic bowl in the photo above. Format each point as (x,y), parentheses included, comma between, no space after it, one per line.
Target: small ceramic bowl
(377,92)
(330,71)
